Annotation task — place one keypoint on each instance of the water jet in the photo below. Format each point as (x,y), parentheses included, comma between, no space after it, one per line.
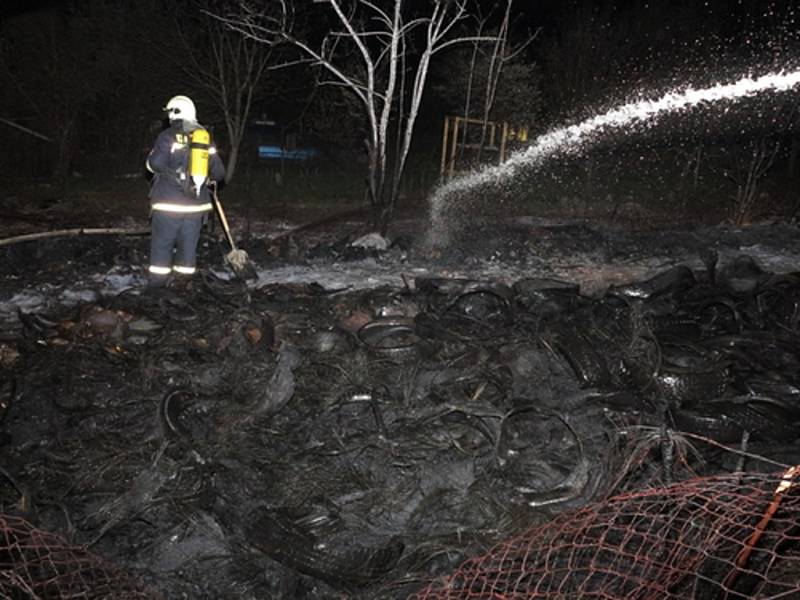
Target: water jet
(576,138)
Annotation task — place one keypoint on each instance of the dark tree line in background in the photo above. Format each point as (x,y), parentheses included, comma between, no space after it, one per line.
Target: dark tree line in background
(79,74)
(606,53)
(83,80)
(601,51)
(92,76)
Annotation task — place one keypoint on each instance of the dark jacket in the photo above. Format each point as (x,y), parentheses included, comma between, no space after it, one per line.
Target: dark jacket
(169,160)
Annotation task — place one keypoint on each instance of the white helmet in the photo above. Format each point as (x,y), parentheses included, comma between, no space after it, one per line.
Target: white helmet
(181,108)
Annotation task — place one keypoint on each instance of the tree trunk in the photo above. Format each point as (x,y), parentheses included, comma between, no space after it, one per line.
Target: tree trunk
(233,159)
(63,159)
(794,150)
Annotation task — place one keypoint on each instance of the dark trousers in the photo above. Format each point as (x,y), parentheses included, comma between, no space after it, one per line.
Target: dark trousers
(173,243)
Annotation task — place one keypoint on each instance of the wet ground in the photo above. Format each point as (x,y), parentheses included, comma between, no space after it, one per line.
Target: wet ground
(359,419)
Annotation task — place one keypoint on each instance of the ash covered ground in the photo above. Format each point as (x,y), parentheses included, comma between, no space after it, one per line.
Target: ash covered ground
(357,421)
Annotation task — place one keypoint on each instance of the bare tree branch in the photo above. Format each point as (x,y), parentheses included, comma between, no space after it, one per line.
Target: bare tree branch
(227,66)
(26,130)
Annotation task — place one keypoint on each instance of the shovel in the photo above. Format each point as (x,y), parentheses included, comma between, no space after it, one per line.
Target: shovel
(236,258)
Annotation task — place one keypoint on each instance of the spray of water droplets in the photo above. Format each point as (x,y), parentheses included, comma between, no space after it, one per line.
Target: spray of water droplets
(574,138)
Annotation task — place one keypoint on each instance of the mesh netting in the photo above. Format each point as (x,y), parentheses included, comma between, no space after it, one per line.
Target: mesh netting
(35,564)
(731,537)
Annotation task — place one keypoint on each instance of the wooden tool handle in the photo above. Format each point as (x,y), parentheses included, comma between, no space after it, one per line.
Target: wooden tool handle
(223,219)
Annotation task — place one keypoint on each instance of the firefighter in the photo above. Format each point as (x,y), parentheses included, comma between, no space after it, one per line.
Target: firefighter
(183,163)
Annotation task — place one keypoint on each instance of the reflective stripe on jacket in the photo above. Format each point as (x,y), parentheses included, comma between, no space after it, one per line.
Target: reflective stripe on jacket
(181,208)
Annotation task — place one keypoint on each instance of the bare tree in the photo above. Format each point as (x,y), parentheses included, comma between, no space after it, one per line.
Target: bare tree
(473,61)
(225,65)
(382,58)
(748,178)
(502,53)
(489,81)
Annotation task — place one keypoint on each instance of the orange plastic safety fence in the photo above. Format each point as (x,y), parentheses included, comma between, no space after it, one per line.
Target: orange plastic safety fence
(37,565)
(727,537)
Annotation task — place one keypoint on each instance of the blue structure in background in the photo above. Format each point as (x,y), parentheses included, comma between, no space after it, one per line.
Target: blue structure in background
(265,151)
(275,142)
